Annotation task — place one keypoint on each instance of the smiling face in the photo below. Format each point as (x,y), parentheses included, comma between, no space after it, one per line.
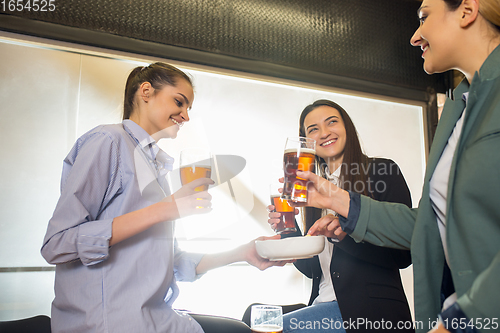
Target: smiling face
(162,112)
(325,125)
(437,36)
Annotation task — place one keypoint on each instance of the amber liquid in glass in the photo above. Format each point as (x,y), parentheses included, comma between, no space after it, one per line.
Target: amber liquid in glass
(190,173)
(287,218)
(295,188)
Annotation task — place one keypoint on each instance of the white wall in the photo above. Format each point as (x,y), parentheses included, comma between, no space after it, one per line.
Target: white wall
(52,95)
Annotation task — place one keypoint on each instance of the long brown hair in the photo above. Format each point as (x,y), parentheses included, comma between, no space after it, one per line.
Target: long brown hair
(353,171)
(157,74)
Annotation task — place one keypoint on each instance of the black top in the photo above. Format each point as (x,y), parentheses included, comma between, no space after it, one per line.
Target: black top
(366,277)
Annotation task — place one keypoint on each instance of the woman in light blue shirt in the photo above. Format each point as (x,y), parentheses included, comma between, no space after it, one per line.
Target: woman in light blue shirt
(111,236)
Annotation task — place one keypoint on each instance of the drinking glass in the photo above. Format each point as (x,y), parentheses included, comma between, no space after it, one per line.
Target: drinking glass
(266,319)
(287,218)
(195,163)
(299,154)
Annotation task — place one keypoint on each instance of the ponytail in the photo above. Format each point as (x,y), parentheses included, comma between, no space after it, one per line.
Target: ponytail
(157,74)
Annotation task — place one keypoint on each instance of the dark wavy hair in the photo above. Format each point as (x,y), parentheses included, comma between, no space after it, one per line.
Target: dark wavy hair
(158,74)
(354,162)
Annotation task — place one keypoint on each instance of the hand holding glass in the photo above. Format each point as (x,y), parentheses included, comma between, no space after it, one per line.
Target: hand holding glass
(287,217)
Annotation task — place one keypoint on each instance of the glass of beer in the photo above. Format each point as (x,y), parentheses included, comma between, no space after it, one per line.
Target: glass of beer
(287,218)
(266,319)
(195,163)
(300,154)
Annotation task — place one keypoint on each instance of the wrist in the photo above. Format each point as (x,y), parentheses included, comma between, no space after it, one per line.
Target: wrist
(166,210)
(340,202)
(242,253)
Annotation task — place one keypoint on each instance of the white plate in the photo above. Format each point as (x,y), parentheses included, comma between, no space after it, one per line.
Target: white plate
(290,248)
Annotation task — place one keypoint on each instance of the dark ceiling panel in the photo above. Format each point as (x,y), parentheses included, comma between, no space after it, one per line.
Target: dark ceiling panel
(357,40)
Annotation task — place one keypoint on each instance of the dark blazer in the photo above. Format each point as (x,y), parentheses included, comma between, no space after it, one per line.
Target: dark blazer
(366,277)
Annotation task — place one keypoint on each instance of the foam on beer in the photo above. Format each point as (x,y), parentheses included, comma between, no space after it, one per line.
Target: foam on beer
(267,329)
(193,166)
(302,150)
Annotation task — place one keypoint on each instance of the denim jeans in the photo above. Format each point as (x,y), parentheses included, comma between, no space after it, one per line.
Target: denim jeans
(322,317)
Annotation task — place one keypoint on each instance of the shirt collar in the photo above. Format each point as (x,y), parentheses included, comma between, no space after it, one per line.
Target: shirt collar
(140,135)
(334,175)
(149,145)
(490,69)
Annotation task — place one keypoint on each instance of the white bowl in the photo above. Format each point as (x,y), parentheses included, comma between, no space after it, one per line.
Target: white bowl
(290,248)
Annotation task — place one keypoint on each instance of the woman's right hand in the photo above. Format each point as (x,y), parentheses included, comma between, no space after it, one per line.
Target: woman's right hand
(188,201)
(274,216)
(323,194)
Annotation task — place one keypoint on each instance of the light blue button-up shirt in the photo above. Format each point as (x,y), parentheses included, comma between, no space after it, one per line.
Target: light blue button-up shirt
(129,287)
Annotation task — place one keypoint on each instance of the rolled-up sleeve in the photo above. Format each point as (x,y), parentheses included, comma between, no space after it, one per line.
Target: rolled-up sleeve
(185,265)
(91,179)
(93,241)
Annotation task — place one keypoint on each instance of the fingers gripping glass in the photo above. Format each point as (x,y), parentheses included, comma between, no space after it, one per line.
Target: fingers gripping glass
(287,217)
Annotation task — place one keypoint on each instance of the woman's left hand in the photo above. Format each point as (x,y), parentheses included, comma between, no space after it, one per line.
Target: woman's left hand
(246,252)
(252,257)
(329,226)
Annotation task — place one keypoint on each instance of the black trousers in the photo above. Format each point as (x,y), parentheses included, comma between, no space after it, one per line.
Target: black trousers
(214,324)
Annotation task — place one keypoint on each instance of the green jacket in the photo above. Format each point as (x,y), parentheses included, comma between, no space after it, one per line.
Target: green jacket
(473,210)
